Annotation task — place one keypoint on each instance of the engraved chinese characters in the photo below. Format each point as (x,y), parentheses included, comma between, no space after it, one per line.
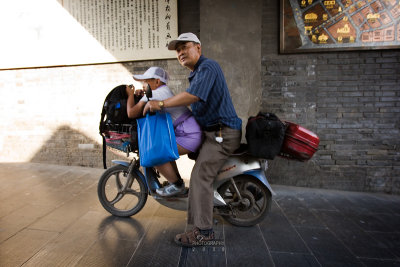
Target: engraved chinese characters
(128,28)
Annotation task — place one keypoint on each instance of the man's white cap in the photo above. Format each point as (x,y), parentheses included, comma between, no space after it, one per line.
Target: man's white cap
(184,37)
(153,73)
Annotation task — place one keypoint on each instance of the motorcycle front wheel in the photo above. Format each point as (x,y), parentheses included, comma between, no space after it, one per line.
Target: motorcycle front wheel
(120,194)
(254,204)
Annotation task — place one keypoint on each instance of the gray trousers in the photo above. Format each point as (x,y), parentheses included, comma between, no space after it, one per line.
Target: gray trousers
(211,158)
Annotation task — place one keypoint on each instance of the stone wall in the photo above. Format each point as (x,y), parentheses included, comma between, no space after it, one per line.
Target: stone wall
(231,43)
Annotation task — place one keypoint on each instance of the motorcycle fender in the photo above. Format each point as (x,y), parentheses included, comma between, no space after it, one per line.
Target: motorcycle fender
(236,165)
(122,162)
(137,171)
(259,174)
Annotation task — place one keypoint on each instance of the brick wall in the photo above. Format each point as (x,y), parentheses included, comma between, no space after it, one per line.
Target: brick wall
(350,99)
(52,115)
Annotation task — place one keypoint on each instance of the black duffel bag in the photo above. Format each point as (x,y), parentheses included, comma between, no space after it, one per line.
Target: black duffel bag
(264,135)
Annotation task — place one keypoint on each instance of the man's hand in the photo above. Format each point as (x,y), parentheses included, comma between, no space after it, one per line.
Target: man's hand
(181,99)
(151,106)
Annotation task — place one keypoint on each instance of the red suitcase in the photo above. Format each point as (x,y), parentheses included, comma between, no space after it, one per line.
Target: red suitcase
(299,143)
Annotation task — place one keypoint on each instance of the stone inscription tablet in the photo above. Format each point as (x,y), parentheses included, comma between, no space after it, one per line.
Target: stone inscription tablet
(71,32)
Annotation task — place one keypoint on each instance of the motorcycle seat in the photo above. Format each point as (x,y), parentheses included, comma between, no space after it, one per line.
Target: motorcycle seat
(243,149)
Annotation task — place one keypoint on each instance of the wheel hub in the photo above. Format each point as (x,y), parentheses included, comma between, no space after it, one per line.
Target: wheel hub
(247,201)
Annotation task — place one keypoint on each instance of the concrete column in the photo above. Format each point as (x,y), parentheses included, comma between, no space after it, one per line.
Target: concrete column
(230,32)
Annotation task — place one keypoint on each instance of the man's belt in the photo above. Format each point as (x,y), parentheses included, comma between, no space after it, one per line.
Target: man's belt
(214,127)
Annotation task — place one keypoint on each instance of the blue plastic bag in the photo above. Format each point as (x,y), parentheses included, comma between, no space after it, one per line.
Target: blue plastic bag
(156,136)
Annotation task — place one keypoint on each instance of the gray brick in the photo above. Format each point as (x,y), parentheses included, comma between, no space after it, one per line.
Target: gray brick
(388,71)
(387,60)
(392,99)
(352,94)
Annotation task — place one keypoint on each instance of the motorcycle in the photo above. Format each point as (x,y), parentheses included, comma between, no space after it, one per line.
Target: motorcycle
(242,193)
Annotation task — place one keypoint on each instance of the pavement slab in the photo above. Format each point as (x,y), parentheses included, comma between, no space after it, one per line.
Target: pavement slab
(50,216)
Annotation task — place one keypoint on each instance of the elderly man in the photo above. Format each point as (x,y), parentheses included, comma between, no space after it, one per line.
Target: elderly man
(213,109)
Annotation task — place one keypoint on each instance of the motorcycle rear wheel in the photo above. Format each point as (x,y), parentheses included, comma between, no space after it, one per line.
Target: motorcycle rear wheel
(119,194)
(255,203)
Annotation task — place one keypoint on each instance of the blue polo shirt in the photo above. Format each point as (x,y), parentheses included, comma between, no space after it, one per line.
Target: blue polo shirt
(207,82)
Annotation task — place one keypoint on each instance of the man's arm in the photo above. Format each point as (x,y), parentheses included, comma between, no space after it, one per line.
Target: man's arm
(181,99)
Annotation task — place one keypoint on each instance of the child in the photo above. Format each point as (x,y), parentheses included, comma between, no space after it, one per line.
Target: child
(187,131)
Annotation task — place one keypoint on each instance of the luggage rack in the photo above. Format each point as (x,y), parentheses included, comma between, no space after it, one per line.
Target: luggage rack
(288,156)
(120,128)
(119,137)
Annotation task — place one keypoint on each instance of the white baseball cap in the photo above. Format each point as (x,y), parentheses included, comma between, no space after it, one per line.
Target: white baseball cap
(153,73)
(184,37)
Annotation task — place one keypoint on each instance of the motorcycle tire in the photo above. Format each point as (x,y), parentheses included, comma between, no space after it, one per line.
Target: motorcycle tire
(120,195)
(255,204)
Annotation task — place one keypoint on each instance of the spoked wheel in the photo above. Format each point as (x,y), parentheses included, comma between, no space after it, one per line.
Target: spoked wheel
(120,194)
(254,204)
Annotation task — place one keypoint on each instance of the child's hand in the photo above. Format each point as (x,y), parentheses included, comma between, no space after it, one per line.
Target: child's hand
(139,92)
(130,89)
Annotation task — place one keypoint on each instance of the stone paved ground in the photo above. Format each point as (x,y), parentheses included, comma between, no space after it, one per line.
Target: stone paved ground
(50,216)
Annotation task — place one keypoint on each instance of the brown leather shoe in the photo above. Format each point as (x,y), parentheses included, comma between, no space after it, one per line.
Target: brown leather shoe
(194,238)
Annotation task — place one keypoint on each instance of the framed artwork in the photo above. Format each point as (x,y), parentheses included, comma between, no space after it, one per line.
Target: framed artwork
(339,25)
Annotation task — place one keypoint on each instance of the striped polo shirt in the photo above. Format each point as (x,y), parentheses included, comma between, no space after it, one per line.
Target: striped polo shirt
(207,82)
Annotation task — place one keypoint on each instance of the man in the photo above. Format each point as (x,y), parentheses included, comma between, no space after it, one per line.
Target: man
(213,109)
